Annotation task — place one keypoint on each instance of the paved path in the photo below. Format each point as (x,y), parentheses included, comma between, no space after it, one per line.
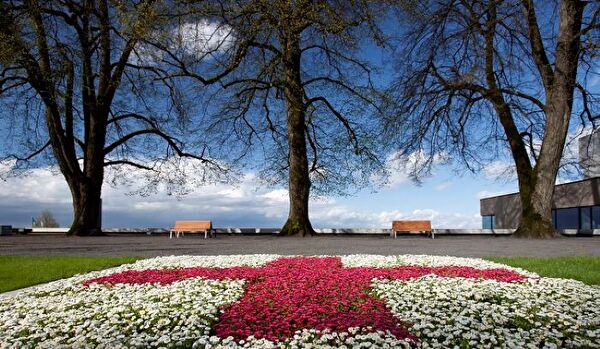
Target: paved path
(160,245)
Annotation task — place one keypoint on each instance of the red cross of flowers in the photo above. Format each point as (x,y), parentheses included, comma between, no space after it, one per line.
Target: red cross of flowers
(296,293)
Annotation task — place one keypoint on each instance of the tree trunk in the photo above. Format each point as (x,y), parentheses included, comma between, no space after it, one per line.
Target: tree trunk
(536,209)
(298,222)
(86,208)
(86,185)
(536,195)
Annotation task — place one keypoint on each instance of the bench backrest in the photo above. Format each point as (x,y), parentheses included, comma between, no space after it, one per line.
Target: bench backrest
(195,225)
(411,225)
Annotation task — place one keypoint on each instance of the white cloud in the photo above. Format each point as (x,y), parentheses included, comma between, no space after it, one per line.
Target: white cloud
(339,216)
(500,169)
(447,220)
(277,195)
(40,186)
(202,37)
(246,204)
(402,168)
(193,40)
(6,166)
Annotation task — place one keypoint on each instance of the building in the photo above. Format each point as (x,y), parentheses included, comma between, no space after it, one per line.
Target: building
(576,205)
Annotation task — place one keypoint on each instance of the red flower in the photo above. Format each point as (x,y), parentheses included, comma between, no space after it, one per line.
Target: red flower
(291,294)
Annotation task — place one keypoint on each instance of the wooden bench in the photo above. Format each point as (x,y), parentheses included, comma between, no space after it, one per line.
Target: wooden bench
(191,227)
(412,226)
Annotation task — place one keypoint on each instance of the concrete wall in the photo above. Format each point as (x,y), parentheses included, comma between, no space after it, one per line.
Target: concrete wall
(507,208)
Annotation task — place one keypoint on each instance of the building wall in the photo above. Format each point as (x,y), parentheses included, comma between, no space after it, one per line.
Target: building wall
(507,208)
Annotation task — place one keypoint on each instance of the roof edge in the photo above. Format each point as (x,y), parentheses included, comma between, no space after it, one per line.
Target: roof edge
(556,185)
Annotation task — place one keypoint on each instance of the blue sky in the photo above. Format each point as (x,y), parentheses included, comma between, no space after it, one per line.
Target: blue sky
(449,199)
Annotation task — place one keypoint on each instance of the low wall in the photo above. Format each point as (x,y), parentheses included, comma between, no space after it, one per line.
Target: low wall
(473,231)
(324,231)
(49,230)
(327,231)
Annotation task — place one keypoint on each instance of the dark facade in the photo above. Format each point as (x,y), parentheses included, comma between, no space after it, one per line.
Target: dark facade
(576,205)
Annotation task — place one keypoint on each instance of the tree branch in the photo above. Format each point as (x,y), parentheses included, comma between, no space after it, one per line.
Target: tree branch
(127,163)
(340,117)
(32,155)
(537,46)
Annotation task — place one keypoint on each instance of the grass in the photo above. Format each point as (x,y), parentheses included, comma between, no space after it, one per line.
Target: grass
(23,271)
(585,268)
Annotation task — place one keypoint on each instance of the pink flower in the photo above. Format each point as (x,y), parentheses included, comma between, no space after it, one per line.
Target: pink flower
(291,294)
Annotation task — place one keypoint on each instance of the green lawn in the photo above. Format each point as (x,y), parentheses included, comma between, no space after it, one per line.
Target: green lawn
(20,271)
(586,269)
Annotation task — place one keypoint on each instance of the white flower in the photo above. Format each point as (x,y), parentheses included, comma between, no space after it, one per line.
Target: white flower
(442,312)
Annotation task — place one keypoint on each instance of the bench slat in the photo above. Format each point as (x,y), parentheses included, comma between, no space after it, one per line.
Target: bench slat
(411,225)
(192,225)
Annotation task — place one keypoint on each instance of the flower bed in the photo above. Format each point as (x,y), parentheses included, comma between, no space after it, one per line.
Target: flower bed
(275,301)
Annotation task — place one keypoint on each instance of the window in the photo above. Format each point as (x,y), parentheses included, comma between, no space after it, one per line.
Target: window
(596,217)
(585,218)
(567,218)
(488,222)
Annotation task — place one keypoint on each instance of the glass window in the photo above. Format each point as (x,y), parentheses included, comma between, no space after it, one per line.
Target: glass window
(567,218)
(488,222)
(586,218)
(596,217)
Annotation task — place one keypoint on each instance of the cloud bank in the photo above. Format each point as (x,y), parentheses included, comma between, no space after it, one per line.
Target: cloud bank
(243,205)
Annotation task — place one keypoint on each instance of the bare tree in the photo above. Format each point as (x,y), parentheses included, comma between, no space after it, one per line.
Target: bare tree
(45,220)
(67,72)
(300,94)
(475,72)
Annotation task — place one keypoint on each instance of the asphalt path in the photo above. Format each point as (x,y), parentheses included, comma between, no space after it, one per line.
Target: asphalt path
(161,245)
